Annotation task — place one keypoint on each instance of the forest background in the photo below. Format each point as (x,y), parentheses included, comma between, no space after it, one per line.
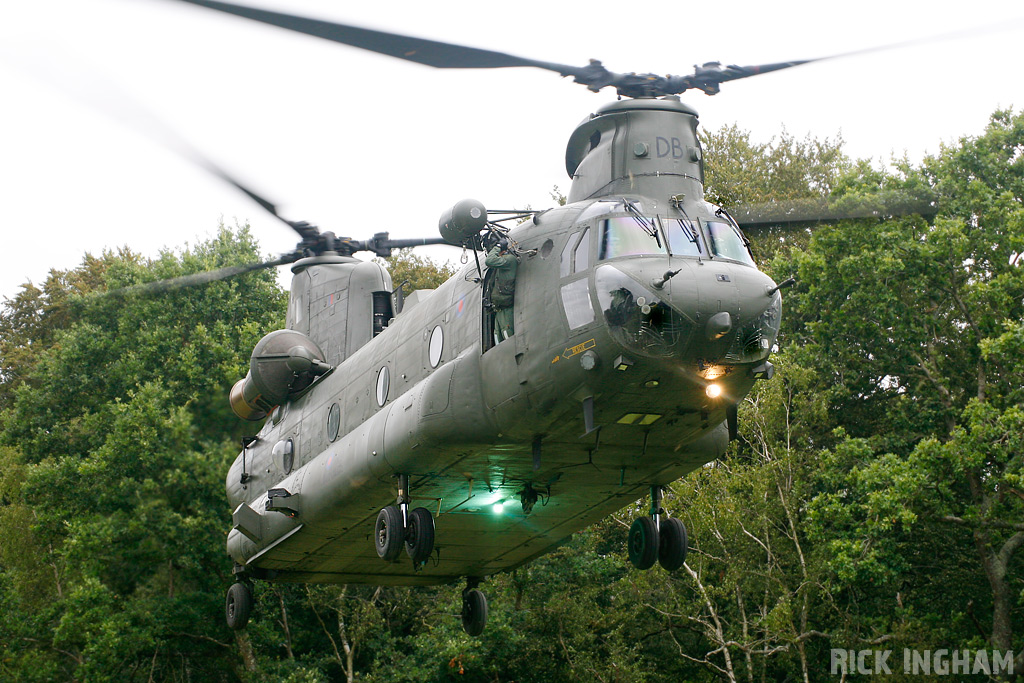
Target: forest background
(874,499)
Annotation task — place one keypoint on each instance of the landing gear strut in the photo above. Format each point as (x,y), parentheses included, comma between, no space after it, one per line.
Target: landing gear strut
(474,608)
(652,538)
(397,526)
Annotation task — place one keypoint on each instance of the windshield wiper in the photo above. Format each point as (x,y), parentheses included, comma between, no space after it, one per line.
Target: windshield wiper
(690,231)
(643,221)
(736,226)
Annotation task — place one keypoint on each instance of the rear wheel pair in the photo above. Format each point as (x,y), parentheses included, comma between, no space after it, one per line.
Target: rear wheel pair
(648,544)
(391,534)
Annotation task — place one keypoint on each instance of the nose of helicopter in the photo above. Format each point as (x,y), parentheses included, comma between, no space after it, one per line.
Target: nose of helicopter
(709,310)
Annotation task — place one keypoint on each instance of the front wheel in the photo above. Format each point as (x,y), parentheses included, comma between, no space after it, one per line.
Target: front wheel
(643,543)
(674,544)
(419,537)
(389,533)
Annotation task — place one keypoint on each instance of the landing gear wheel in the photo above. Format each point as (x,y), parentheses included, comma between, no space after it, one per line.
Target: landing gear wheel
(673,544)
(643,543)
(419,536)
(474,612)
(238,606)
(389,533)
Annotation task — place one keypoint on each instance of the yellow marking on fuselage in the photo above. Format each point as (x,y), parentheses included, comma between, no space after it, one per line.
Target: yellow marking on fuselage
(579,348)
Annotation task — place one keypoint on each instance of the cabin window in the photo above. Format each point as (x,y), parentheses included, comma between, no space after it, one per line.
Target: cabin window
(436,346)
(728,242)
(630,236)
(383,385)
(284,455)
(333,421)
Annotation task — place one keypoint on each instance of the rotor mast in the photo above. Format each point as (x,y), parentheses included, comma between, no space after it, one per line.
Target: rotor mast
(637,146)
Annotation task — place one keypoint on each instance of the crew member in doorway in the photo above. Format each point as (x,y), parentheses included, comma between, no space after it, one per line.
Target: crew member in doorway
(503,264)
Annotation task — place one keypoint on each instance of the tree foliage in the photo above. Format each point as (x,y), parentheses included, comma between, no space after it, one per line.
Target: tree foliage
(741,171)
(420,272)
(115,439)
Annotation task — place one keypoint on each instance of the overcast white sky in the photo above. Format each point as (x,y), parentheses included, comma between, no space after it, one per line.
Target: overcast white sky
(358,143)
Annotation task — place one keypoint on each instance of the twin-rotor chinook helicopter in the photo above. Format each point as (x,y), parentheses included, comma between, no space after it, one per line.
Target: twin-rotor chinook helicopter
(395,422)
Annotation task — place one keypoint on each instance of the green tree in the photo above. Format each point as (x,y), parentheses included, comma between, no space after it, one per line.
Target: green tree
(784,174)
(115,442)
(914,327)
(421,272)
(740,171)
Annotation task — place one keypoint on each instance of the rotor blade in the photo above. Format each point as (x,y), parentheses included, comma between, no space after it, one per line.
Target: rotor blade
(754,217)
(709,76)
(305,230)
(161,286)
(420,50)
(712,74)
(411,242)
(595,76)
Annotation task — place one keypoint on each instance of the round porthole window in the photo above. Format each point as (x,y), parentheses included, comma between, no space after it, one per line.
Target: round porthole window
(333,421)
(383,384)
(284,455)
(436,346)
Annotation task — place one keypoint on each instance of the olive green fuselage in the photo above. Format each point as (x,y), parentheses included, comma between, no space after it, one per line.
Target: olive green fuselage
(636,299)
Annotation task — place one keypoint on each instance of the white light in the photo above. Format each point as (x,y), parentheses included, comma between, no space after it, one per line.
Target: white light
(713,390)
(499,507)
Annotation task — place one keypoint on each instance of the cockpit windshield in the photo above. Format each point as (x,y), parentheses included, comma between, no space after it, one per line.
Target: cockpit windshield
(683,237)
(728,242)
(630,236)
(603,207)
(636,234)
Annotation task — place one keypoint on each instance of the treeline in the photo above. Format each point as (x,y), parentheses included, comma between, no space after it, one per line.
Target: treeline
(874,500)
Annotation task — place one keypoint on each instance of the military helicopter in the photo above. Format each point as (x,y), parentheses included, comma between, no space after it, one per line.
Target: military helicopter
(596,354)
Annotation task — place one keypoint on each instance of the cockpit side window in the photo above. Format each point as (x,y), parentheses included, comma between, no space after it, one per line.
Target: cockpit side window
(728,242)
(581,255)
(576,254)
(630,236)
(565,262)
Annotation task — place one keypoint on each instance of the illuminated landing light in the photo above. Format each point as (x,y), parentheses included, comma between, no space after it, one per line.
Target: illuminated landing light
(499,507)
(713,372)
(713,390)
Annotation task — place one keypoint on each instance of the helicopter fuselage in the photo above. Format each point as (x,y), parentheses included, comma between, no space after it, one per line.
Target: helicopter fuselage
(601,393)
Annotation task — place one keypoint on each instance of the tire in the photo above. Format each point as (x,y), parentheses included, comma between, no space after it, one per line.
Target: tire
(238,606)
(389,533)
(643,543)
(474,612)
(673,544)
(419,537)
